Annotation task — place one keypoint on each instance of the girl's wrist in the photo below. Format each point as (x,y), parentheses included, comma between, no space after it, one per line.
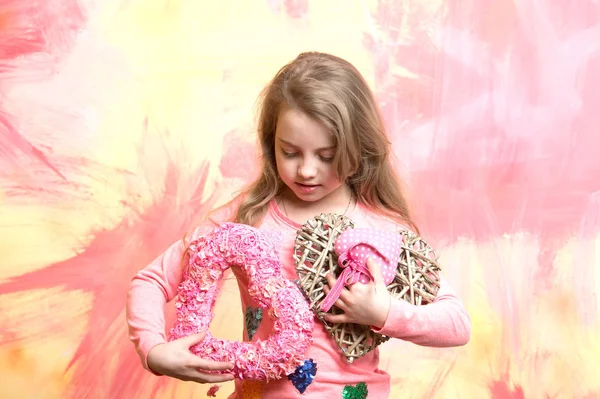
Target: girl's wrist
(382,312)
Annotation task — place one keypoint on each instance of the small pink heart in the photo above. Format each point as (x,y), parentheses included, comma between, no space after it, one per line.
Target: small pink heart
(353,247)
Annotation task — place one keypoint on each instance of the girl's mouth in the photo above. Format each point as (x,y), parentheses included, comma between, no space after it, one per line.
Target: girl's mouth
(307,188)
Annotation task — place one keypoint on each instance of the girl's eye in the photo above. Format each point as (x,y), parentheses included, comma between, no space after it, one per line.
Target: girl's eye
(293,154)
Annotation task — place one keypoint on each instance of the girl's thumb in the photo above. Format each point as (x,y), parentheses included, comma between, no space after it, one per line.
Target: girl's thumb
(375,270)
(193,339)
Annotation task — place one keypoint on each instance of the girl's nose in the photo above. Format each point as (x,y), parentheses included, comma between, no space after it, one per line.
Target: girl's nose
(307,169)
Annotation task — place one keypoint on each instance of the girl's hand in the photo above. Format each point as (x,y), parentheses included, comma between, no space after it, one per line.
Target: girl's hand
(366,304)
(174,359)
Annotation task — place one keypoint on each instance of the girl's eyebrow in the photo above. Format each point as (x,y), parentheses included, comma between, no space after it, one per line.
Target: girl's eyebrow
(295,146)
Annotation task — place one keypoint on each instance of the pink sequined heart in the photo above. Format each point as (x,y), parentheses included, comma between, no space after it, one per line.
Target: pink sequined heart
(353,247)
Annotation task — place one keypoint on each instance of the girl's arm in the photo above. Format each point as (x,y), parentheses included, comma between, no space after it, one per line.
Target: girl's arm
(157,284)
(150,290)
(442,323)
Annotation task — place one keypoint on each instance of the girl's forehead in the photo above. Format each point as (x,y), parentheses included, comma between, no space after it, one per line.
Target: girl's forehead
(298,129)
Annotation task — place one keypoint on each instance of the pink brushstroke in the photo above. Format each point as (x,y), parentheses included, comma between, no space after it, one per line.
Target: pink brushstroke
(517,156)
(296,9)
(501,389)
(498,131)
(37,26)
(490,160)
(403,98)
(104,269)
(14,145)
(239,159)
(32,28)
(493,153)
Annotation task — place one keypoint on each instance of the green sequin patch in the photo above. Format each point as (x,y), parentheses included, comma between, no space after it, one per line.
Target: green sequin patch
(359,391)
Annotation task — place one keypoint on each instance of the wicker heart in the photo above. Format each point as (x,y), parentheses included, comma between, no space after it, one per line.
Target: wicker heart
(416,280)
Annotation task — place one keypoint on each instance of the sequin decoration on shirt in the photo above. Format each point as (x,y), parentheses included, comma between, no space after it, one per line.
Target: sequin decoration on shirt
(359,391)
(253,318)
(304,375)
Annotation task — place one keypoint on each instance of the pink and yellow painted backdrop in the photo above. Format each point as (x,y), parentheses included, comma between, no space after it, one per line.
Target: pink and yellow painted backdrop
(122,122)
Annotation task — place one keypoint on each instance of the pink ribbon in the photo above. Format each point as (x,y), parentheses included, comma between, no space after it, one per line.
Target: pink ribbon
(353,270)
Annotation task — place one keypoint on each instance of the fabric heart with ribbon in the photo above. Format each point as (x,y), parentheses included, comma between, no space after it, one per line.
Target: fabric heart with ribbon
(353,248)
(328,243)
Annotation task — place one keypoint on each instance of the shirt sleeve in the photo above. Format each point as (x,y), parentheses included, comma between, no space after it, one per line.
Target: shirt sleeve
(442,323)
(149,291)
(156,285)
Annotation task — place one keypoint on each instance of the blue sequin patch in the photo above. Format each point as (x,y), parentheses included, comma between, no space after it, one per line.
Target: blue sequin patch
(304,375)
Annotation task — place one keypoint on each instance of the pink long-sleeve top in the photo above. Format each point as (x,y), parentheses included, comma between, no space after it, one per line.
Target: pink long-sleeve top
(443,323)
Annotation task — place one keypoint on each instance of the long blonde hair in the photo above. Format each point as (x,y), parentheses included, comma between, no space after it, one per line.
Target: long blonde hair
(333,92)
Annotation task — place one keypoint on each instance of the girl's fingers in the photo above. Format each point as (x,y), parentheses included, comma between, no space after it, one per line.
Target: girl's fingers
(340,303)
(191,340)
(375,270)
(331,280)
(200,377)
(199,363)
(345,293)
(338,318)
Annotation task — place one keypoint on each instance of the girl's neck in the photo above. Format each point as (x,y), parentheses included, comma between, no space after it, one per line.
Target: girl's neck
(340,201)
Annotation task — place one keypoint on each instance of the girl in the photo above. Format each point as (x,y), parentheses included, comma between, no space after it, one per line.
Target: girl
(324,150)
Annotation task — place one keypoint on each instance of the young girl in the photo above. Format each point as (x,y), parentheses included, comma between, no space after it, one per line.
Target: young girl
(324,150)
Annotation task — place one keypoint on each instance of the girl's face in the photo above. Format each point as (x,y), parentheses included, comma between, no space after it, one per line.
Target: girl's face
(304,151)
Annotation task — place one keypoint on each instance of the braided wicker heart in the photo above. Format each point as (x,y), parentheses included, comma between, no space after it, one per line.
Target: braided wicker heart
(416,277)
